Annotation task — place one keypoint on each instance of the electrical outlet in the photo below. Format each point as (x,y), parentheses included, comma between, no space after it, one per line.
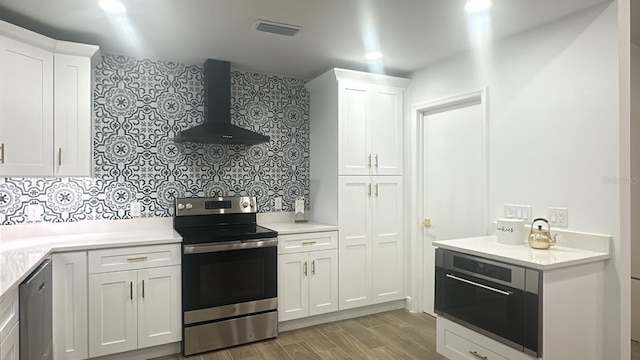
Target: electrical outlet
(558,217)
(134,209)
(512,211)
(34,212)
(278,204)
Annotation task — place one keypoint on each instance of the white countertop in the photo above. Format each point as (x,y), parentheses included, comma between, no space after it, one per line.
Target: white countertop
(290,227)
(577,248)
(23,247)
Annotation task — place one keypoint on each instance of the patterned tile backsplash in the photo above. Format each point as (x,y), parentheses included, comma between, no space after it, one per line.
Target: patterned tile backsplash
(139,107)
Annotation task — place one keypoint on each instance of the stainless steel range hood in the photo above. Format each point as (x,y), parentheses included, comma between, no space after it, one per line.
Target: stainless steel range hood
(217,127)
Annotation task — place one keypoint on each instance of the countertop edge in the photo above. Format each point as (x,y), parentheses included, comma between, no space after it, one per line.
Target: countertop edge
(592,256)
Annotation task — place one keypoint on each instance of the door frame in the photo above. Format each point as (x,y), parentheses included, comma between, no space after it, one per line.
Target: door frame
(417,301)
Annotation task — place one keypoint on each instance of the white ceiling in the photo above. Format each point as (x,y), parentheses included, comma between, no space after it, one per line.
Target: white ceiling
(410,33)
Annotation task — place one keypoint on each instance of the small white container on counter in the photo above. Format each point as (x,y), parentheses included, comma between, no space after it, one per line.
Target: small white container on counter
(510,231)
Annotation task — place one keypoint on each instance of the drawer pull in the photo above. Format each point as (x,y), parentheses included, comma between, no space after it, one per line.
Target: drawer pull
(308,243)
(137,258)
(475,353)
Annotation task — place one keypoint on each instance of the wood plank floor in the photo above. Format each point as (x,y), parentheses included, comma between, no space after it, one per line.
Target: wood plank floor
(395,334)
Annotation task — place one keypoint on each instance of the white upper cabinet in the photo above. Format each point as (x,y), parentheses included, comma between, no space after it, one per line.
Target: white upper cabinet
(46,111)
(370,129)
(26,109)
(73,136)
(365,112)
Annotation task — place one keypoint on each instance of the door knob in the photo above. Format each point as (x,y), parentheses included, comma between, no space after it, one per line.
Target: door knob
(426,222)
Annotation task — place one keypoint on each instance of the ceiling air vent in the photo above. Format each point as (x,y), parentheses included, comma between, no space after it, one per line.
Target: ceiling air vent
(276,28)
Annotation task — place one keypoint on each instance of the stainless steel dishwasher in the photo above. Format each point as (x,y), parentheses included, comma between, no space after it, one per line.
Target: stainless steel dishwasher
(35,315)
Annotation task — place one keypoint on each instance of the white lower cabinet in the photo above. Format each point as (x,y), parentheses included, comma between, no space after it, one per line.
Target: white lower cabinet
(457,342)
(9,326)
(70,302)
(133,309)
(10,346)
(371,240)
(308,280)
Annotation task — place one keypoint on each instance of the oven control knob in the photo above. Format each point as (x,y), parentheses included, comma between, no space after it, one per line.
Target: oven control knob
(180,206)
(189,206)
(245,204)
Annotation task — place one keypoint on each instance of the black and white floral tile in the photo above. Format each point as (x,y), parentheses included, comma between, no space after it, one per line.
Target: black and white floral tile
(139,107)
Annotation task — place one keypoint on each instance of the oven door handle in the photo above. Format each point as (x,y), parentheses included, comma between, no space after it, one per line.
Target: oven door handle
(479,285)
(228,245)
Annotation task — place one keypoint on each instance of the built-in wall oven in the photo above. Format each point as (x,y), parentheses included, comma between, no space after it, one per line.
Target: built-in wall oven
(499,300)
(229,273)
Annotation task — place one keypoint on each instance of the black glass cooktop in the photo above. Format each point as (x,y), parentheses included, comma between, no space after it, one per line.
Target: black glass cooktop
(219,233)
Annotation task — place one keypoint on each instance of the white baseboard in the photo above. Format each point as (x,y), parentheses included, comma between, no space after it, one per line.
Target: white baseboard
(145,354)
(340,315)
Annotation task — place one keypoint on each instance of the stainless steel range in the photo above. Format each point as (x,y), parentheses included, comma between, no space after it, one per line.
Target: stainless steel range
(229,273)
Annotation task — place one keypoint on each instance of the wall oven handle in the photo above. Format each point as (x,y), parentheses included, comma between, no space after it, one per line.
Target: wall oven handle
(479,285)
(228,245)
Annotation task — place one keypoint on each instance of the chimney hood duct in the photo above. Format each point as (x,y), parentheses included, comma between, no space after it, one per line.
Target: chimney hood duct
(217,127)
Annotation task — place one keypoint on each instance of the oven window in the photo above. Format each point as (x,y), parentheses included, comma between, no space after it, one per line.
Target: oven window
(229,277)
(498,313)
(231,281)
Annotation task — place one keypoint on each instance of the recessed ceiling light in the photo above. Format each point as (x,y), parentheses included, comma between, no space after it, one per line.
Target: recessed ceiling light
(373,55)
(112,6)
(474,6)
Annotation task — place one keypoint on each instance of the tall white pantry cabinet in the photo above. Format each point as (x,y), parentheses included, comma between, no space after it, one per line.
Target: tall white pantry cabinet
(356,176)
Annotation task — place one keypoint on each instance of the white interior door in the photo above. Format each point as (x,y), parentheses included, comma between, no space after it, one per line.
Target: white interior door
(454,163)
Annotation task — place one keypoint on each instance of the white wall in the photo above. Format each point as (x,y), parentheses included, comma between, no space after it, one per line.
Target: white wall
(554,130)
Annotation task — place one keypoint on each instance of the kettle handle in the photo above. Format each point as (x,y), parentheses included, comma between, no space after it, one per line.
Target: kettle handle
(541,219)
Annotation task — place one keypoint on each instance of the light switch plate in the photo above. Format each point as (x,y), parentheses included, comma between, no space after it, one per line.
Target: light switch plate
(512,211)
(278,204)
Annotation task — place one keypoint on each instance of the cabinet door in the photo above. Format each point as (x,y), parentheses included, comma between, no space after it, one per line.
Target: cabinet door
(293,286)
(354,221)
(26,109)
(112,313)
(387,130)
(159,306)
(73,116)
(10,347)
(387,239)
(70,341)
(323,282)
(354,129)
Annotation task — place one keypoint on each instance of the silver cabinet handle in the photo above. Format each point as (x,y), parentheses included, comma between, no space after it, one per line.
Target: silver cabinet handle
(376,190)
(308,242)
(143,289)
(304,268)
(376,160)
(369,185)
(137,258)
(1,153)
(478,285)
(59,156)
(475,353)
(369,160)
(131,290)
(313,267)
